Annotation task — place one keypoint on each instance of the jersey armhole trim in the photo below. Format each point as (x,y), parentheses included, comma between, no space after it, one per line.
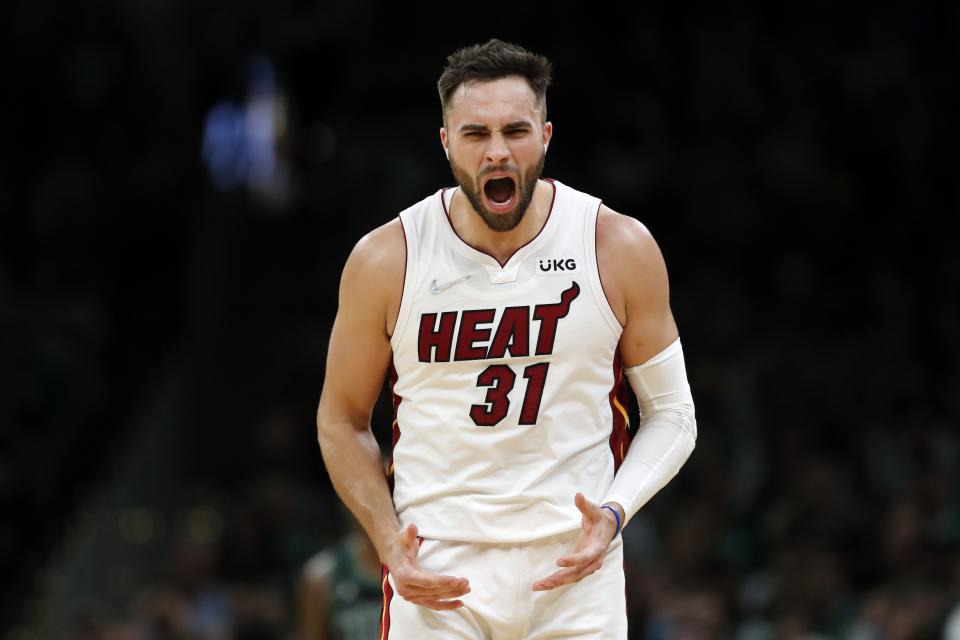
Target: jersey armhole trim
(593,267)
(411,259)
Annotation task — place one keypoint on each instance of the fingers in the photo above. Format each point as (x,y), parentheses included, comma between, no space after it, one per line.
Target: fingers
(419,585)
(565,576)
(439,593)
(588,553)
(420,582)
(568,575)
(410,533)
(586,507)
(580,559)
(437,605)
(430,590)
(574,567)
(406,543)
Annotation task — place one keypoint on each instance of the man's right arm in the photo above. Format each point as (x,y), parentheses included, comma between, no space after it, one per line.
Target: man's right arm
(357,360)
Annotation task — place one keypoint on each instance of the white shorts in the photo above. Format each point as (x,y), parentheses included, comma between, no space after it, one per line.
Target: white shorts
(501,604)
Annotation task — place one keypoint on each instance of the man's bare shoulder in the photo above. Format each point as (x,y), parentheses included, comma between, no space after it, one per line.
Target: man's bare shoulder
(379,257)
(623,234)
(372,280)
(634,279)
(626,246)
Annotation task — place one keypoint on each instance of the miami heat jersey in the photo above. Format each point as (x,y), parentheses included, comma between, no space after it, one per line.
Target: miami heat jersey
(505,378)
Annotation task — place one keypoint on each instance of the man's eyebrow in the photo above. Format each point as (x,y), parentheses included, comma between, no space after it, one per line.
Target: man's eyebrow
(516,124)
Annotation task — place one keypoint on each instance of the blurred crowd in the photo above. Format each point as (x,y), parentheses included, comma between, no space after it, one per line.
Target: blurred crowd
(794,165)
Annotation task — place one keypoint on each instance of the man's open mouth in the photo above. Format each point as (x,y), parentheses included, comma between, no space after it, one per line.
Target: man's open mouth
(500,193)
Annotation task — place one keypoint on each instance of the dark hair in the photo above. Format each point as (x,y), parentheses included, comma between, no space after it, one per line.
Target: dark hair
(493,60)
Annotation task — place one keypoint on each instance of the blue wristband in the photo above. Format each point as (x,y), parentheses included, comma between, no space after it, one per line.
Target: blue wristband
(616,514)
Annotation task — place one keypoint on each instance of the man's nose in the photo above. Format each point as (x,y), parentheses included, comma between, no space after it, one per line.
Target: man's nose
(497,150)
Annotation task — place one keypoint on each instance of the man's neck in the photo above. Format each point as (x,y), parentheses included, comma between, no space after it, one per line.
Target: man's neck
(501,244)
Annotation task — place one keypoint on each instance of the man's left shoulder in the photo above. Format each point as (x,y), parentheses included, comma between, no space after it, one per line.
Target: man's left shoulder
(625,238)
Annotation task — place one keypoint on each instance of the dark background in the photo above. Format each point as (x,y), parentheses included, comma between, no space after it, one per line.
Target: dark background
(168,281)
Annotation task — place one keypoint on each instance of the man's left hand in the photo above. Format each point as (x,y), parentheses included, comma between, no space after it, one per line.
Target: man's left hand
(596,533)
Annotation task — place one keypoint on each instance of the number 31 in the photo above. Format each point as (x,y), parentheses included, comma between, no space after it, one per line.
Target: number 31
(499,380)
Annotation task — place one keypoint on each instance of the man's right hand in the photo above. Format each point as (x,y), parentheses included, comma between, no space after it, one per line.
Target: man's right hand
(415,585)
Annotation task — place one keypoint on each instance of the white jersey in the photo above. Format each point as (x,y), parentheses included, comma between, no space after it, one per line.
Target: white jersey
(506,379)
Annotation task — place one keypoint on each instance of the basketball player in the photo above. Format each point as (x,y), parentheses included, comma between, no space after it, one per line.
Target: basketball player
(508,311)
(339,594)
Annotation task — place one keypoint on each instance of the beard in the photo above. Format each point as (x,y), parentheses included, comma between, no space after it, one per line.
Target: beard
(525,184)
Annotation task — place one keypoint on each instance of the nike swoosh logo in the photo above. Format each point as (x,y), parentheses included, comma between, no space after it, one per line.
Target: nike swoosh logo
(440,288)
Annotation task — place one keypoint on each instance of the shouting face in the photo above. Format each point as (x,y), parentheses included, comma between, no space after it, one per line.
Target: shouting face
(496,141)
